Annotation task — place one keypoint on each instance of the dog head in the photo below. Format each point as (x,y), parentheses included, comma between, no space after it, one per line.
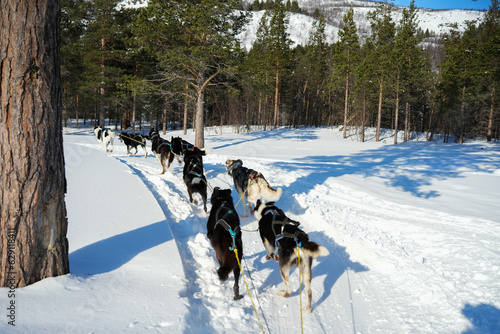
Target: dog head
(260,207)
(97,129)
(231,165)
(195,156)
(221,195)
(122,134)
(153,133)
(176,145)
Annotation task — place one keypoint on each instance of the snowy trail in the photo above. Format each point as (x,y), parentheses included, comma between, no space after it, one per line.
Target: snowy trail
(412,231)
(372,241)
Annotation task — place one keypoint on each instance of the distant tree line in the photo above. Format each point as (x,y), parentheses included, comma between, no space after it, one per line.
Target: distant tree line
(179,62)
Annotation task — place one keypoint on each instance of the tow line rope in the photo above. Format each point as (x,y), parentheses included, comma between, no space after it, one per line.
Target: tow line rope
(300,288)
(244,280)
(122,135)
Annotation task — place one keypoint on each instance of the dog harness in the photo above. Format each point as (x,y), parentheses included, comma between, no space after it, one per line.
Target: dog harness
(280,221)
(225,225)
(194,171)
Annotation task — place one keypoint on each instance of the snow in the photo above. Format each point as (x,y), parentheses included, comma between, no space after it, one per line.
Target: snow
(300,25)
(412,230)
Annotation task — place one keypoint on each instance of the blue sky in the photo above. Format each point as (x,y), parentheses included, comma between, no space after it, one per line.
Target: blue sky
(447,4)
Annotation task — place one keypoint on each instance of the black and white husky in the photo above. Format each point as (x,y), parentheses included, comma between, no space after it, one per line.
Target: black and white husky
(194,177)
(105,137)
(224,233)
(281,234)
(251,184)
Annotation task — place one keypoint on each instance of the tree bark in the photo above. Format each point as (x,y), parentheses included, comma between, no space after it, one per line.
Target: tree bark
(363,117)
(199,135)
(33,222)
(102,119)
(345,104)
(462,119)
(184,126)
(379,115)
(397,112)
(276,97)
(164,116)
(490,117)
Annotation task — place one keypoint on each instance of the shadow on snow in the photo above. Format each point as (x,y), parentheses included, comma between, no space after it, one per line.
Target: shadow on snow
(112,253)
(484,318)
(409,167)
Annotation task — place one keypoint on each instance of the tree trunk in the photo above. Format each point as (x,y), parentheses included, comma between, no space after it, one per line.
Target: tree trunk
(102,120)
(397,112)
(134,107)
(200,135)
(379,115)
(33,213)
(164,116)
(185,112)
(345,103)
(490,118)
(363,117)
(407,122)
(276,97)
(77,109)
(462,119)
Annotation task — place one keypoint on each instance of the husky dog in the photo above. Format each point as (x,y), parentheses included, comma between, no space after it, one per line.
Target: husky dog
(133,140)
(280,233)
(224,233)
(105,137)
(251,184)
(162,149)
(193,176)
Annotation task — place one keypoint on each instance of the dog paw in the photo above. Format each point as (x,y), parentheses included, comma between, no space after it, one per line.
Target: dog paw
(276,258)
(283,294)
(195,201)
(307,310)
(268,258)
(238,297)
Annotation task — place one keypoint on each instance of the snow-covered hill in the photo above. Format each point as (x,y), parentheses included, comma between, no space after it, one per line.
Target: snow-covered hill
(412,229)
(435,21)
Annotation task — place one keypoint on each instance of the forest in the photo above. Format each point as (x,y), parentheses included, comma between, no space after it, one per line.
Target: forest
(180,64)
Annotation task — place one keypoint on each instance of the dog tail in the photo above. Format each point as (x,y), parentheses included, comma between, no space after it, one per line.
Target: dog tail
(313,249)
(224,272)
(269,194)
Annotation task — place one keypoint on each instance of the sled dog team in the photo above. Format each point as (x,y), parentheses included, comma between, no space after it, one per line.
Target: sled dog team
(281,236)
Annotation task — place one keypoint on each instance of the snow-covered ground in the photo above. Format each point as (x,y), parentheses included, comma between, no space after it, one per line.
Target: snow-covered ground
(413,232)
(300,25)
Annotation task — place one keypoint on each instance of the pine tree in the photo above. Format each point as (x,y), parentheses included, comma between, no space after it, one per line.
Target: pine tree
(33,220)
(412,70)
(279,51)
(382,40)
(347,57)
(195,41)
(459,74)
(315,66)
(489,80)
(101,51)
